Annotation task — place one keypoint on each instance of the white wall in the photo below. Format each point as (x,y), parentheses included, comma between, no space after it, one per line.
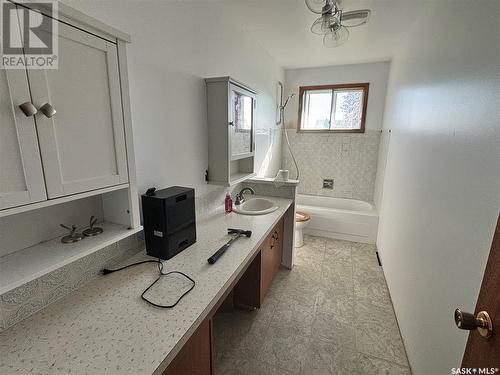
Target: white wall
(375,73)
(349,159)
(175,45)
(442,179)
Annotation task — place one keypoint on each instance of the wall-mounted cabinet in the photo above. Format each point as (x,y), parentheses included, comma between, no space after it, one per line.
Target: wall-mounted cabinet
(66,149)
(62,131)
(83,144)
(231,131)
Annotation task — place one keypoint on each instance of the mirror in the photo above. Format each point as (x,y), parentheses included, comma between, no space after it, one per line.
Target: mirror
(242,122)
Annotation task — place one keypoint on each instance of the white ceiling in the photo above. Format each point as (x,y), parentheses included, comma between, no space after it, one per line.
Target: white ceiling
(282,27)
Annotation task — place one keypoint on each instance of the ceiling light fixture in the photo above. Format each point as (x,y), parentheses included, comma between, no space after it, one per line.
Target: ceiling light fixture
(333,23)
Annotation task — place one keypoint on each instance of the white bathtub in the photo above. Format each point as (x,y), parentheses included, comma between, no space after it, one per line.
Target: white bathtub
(344,219)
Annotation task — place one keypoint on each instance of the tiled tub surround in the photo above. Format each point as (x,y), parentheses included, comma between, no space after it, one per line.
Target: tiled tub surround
(349,159)
(29,298)
(105,327)
(267,163)
(331,314)
(266,186)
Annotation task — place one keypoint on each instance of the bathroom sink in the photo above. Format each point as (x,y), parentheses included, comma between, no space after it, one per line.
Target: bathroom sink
(256,206)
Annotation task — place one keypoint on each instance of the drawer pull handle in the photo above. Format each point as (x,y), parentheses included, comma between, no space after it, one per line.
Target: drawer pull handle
(28,109)
(48,110)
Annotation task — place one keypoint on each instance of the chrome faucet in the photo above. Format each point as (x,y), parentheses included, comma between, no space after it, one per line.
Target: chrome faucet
(240,198)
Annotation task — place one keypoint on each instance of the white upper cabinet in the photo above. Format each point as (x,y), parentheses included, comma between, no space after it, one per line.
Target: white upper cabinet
(83,143)
(66,133)
(231,131)
(21,177)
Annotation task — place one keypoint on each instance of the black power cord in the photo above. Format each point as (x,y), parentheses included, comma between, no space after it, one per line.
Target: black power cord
(106,271)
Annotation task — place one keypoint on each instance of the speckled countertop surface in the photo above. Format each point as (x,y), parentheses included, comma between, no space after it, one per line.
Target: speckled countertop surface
(105,327)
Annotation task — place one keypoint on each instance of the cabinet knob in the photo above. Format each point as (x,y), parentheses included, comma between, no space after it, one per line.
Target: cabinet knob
(28,109)
(231,123)
(48,110)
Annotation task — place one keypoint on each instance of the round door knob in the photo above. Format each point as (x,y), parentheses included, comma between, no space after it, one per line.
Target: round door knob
(481,322)
(28,109)
(48,110)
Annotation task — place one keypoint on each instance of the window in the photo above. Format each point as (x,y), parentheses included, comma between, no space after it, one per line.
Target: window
(333,108)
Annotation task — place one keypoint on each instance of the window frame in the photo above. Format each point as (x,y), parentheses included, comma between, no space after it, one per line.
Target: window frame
(364,86)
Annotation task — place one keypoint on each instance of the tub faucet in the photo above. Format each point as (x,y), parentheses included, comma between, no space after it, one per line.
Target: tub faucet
(240,198)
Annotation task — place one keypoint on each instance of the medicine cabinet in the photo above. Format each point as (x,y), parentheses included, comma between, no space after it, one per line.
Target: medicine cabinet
(231,130)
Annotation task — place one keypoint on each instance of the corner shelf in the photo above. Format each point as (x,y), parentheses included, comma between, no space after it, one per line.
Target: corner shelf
(25,265)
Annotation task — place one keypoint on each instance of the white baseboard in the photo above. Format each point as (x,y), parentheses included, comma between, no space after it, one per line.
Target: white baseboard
(340,236)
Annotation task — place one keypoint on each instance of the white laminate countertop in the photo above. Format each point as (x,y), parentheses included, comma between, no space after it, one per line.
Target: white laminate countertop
(106,328)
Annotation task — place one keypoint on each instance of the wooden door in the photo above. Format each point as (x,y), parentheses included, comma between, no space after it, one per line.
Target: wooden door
(21,176)
(481,352)
(83,144)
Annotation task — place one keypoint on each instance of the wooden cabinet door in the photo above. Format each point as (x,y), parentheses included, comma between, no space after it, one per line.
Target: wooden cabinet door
(83,144)
(21,176)
(267,265)
(195,357)
(271,254)
(276,244)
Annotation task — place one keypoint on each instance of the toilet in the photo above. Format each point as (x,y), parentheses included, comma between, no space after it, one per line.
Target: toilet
(301,221)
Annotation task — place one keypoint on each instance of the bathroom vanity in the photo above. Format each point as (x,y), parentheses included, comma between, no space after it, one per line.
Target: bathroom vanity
(248,291)
(106,325)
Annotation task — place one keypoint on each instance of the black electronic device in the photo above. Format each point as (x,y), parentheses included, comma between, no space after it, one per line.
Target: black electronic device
(169,221)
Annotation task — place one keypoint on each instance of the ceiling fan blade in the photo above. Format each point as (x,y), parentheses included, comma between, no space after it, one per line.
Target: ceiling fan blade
(324,23)
(319,26)
(319,6)
(355,18)
(335,38)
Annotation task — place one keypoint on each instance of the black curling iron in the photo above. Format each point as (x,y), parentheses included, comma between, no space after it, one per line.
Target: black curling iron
(237,234)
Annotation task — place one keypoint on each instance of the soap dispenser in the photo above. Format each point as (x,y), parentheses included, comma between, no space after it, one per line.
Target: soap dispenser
(228,203)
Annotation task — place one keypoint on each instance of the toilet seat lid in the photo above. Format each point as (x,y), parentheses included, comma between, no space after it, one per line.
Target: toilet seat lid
(302,216)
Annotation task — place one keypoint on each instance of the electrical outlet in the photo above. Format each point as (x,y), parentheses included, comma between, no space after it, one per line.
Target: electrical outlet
(328,183)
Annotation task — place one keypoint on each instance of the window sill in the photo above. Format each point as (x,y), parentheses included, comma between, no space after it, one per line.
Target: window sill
(331,131)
